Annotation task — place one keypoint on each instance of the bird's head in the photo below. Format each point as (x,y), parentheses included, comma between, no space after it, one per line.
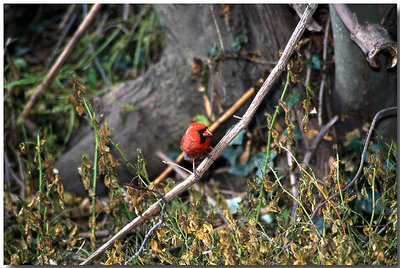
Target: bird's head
(201,129)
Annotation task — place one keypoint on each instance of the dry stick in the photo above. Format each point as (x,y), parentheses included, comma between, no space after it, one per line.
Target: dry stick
(178,169)
(217,28)
(317,139)
(323,77)
(155,227)
(61,39)
(60,61)
(371,128)
(170,162)
(67,16)
(224,142)
(214,126)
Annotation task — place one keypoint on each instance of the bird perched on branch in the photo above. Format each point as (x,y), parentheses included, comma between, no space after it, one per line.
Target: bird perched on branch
(196,143)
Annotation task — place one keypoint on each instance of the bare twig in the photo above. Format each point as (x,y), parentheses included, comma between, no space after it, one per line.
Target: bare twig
(308,72)
(67,16)
(224,142)
(217,28)
(60,61)
(178,169)
(321,191)
(125,12)
(8,172)
(97,234)
(356,177)
(61,39)
(173,165)
(388,10)
(317,140)
(313,26)
(95,58)
(370,37)
(323,76)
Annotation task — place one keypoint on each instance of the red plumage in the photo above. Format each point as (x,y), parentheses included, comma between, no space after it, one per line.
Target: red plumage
(196,143)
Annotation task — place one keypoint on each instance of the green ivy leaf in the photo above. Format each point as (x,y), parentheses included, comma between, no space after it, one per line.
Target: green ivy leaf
(214,51)
(259,162)
(238,140)
(292,99)
(233,204)
(314,62)
(239,40)
(267,218)
(355,145)
(231,153)
(201,118)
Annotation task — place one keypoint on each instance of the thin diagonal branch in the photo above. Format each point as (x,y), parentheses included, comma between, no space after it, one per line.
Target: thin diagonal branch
(217,28)
(60,61)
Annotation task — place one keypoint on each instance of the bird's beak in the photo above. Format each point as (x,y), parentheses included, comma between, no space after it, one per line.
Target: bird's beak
(207,133)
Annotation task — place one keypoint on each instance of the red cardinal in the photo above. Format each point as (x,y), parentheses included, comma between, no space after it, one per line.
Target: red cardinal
(196,143)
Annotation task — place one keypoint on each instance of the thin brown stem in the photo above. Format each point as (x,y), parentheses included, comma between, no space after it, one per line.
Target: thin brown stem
(323,76)
(217,28)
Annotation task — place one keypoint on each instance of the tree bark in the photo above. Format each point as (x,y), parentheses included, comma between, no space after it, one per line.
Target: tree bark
(360,90)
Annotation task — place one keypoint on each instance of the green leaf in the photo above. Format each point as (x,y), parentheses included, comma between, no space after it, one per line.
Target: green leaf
(92,77)
(231,153)
(314,62)
(284,215)
(238,140)
(25,81)
(355,145)
(214,51)
(267,218)
(240,170)
(259,161)
(239,41)
(201,118)
(298,134)
(20,63)
(233,204)
(292,99)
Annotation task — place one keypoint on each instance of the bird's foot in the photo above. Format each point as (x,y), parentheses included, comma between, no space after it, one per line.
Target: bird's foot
(209,156)
(196,174)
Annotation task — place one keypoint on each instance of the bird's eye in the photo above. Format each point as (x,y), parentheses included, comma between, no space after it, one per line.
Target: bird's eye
(202,137)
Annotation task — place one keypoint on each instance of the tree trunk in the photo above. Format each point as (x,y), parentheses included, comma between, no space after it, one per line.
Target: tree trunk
(361,91)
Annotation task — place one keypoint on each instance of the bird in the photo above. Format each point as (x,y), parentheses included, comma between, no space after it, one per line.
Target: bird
(195,143)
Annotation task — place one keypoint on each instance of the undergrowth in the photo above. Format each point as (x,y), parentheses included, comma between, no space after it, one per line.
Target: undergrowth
(45,229)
